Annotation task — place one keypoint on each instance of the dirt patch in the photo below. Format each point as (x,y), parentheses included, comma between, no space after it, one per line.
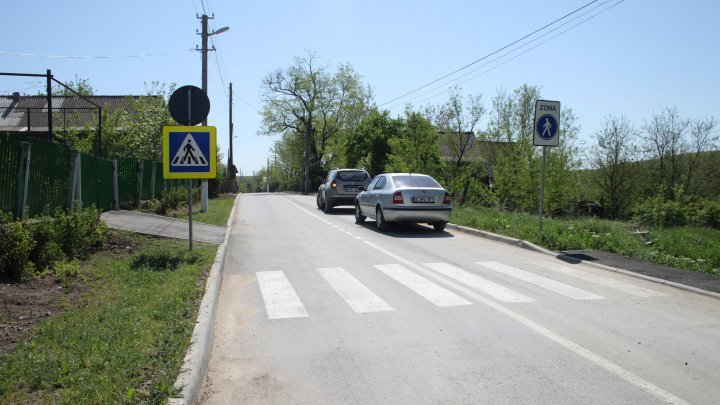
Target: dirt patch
(24,305)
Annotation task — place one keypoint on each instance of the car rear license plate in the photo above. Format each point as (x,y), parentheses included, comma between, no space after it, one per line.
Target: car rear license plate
(351,188)
(423,199)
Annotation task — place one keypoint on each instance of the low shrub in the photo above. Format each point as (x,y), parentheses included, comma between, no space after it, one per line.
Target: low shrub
(655,211)
(16,245)
(65,270)
(162,260)
(171,199)
(81,232)
(47,250)
(708,214)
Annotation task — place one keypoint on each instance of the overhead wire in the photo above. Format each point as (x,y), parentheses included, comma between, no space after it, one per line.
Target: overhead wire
(489,55)
(513,50)
(94,56)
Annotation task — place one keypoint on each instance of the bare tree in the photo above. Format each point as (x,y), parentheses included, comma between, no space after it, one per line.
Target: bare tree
(613,160)
(702,138)
(665,143)
(457,121)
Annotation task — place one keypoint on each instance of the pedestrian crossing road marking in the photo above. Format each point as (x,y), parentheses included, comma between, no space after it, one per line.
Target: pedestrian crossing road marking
(485,286)
(355,293)
(541,281)
(282,301)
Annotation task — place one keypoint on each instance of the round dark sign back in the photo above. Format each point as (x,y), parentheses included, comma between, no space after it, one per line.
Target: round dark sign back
(189,105)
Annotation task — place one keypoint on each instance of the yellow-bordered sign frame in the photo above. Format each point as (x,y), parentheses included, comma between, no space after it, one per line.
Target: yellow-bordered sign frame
(205,137)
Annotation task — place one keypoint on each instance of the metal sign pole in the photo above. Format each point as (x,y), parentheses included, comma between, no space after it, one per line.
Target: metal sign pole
(542,194)
(189,182)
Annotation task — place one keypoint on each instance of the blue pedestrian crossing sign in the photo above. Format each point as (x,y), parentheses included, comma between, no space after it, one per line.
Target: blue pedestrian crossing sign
(547,123)
(189,152)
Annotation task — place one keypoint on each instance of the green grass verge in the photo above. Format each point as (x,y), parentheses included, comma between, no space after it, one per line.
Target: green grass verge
(696,249)
(126,342)
(217,214)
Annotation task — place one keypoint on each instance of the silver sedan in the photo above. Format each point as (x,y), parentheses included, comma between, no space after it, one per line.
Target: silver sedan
(404,197)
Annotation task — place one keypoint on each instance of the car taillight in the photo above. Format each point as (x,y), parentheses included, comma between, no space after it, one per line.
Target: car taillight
(447,199)
(397,198)
(333,184)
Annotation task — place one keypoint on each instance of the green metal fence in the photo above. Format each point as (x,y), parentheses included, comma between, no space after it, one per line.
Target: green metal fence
(96,182)
(43,175)
(9,164)
(127,179)
(49,176)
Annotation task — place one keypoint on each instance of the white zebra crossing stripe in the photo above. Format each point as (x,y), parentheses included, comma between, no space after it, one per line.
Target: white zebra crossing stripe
(280,298)
(422,286)
(355,293)
(597,279)
(486,286)
(542,282)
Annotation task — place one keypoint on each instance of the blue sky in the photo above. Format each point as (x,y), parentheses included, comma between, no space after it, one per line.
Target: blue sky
(633,59)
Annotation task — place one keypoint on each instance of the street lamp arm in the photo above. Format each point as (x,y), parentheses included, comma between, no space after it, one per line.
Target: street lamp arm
(219,31)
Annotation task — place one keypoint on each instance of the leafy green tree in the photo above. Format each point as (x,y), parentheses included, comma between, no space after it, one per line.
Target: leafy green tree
(665,143)
(82,86)
(703,139)
(308,99)
(415,147)
(138,132)
(614,158)
(289,166)
(454,119)
(516,167)
(368,145)
(562,164)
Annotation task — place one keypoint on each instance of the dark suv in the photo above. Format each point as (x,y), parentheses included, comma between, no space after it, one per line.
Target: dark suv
(340,188)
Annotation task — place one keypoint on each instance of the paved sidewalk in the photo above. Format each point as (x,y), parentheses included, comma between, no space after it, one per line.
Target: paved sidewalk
(163,226)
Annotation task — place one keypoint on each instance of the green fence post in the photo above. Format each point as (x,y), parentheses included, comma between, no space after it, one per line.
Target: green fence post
(73,182)
(152,182)
(116,185)
(23,177)
(141,169)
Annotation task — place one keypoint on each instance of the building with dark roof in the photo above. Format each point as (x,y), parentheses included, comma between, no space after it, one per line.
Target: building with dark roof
(29,114)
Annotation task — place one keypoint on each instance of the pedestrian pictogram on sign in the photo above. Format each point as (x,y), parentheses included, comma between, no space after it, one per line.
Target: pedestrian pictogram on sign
(189,152)
(547,126)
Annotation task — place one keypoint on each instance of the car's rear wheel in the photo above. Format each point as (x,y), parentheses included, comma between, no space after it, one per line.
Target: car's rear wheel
(318,201)
(380,222)
(327,207)
(359,217)
(439,226)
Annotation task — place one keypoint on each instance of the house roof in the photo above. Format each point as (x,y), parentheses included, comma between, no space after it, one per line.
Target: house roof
(29,113)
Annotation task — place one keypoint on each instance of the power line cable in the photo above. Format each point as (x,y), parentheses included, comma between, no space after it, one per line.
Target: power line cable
(95,56)
(517,49)
(489,55)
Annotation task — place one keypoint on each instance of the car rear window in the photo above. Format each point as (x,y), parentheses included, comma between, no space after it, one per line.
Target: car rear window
(415,181)
(357,175)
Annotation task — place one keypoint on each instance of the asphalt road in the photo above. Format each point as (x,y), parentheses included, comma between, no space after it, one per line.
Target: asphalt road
(315,309)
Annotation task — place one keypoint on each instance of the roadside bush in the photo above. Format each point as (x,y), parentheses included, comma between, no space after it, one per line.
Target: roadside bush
(81,232)
(708,214)
(47,250)
(655,211)
(16,244)
(171,199)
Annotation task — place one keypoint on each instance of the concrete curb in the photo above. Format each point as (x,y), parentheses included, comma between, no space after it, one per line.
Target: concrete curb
(530,246)
(194,369)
